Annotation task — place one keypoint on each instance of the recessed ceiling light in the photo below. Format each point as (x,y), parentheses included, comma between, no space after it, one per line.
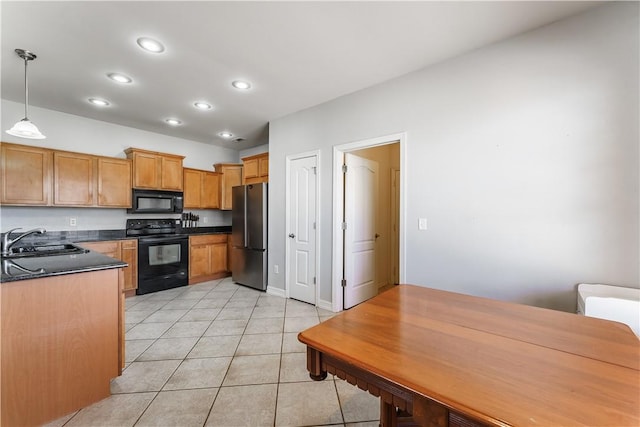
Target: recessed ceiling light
(241,84)
(120,78)
(226,134)
(173,122)
(150,45)
(99,102)
(202,105)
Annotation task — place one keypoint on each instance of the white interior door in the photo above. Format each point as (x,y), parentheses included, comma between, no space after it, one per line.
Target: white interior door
(302,229)
(361,189)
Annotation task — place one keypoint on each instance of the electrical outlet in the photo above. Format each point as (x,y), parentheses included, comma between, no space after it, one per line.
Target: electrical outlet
(205,219)
(276,269)
(422,223)
(72,222)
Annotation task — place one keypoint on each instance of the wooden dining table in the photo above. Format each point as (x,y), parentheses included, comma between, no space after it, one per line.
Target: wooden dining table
(438,358)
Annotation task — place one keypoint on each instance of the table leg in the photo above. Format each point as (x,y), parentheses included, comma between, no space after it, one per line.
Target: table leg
(314,365)
(388,415)
(428,413)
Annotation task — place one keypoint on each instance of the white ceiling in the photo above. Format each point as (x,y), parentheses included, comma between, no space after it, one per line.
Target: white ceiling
(296,55)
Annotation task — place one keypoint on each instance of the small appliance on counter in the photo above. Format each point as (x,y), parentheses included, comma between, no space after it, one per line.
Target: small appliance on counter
(249,235)
(163,254)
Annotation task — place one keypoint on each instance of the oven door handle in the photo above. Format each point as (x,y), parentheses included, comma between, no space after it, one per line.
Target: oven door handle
(161,239)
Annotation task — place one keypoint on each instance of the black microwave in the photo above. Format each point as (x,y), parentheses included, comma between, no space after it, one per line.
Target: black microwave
(156,201)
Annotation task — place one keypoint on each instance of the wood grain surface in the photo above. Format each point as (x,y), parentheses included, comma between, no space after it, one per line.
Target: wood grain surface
(495,362)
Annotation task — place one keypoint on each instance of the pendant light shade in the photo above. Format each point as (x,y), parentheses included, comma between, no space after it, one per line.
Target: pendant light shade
(24,128)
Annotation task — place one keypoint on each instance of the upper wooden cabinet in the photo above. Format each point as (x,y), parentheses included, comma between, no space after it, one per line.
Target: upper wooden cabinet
(73,179)
(201,189)
(157,171)
(231,176)
(38,176)
(114,182)
(256,169)
(26,175)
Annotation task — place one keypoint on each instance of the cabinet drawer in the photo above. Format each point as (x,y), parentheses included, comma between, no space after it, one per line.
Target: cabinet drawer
(208,239)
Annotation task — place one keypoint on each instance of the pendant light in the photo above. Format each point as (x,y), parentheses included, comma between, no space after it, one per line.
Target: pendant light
(24,128)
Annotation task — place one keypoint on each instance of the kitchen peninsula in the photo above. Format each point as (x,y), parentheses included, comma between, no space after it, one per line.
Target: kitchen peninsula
(61,333)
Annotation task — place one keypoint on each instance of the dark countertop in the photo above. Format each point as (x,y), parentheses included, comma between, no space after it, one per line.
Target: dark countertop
(104,235)
(78,263)
(55,265)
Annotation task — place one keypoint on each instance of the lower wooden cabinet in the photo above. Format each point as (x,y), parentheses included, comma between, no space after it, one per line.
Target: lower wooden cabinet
(127,251)
(124,250)
(207,257)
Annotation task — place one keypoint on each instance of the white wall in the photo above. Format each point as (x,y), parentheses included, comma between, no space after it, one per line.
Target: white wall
(74,133)
(254,150)
(523,155)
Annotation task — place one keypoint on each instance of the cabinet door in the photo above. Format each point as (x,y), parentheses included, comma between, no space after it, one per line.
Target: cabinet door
(251,168)
(199,261)
(26,175)
(146,170)
(73,182)
(192,188)
(210,190)
(114,182)
(263,166)
(171,177)
(219,257)
(231,177)
(129,254)
(109,248)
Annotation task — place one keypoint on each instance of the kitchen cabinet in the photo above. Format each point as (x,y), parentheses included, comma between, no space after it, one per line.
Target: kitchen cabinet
(73,179)
(156,171)
(60,344)
(231,176)
(37,176)
(86,180)
(26,175)
(123,250)
(201,189)
(256,169)
(114,182)
(207,257)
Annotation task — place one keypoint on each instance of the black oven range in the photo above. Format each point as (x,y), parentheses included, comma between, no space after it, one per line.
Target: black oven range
(163,254)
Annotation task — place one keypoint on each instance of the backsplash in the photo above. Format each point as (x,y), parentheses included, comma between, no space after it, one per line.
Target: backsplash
(59,219)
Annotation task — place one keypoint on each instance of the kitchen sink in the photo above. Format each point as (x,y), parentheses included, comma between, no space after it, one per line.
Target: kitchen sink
(45,250)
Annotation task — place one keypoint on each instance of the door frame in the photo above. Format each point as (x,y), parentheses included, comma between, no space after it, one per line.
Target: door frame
(338,208)
(287,262)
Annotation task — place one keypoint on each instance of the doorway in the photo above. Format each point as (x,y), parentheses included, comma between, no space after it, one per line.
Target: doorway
(367,254)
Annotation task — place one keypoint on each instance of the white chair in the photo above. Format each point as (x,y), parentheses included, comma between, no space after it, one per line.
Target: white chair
(610,302)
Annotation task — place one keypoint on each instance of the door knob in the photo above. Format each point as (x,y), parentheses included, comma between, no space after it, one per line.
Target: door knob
(292,235)
(377,235)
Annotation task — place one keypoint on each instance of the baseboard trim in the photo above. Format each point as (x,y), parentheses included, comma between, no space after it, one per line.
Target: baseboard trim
(276,292)
(325,305)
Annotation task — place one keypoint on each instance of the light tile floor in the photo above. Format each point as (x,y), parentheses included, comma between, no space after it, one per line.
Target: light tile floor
(221,354)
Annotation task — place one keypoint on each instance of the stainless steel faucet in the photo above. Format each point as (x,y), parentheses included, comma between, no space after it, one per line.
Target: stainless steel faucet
(7,243)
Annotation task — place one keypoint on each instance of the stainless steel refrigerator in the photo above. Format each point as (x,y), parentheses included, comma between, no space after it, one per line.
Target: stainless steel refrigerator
(249,235)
